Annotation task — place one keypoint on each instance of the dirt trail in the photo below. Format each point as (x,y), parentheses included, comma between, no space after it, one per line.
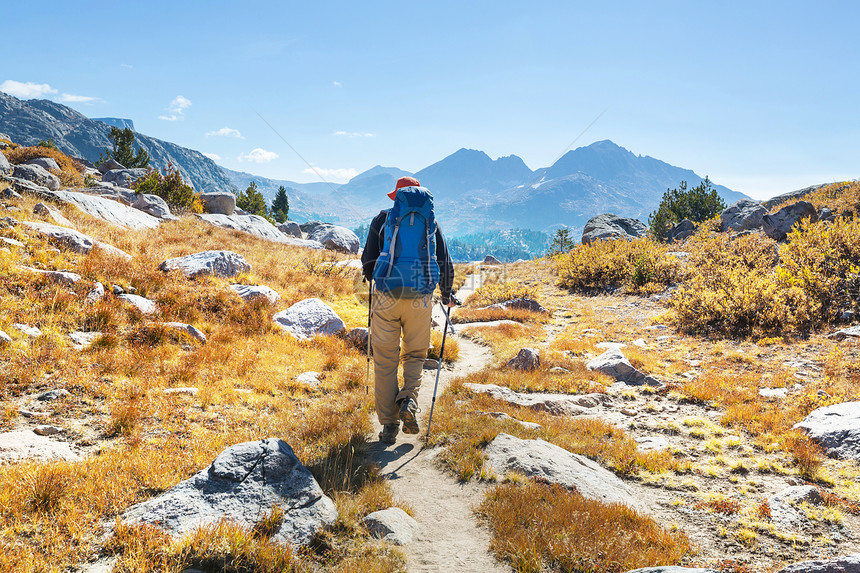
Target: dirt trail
(449,538)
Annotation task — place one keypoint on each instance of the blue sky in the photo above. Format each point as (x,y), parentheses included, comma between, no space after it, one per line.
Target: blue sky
(760,96)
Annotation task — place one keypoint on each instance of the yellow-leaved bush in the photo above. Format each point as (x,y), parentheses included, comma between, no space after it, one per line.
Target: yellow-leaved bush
(639,266)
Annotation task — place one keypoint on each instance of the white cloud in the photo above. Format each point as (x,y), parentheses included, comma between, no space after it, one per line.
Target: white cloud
(258,155)
(178,107)
(335,174)
(353,133)
(126,66)
(337,84)
(26,90)
(225,132)
(72,98)
(213,156)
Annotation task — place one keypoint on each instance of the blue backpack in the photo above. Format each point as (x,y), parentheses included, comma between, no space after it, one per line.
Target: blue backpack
(408,257)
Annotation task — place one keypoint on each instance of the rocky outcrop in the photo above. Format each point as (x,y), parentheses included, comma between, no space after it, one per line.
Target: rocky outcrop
(778,225)
(258,293)
(109,165)
(782,511)
(225,264)
(257,226)
(336,238)
(555,404)
(51,214)
(548,462)
(38,175)
(613,363)
(609,227)
(393,525)
(850,332)
(847,564)
(5,166)
(520,304)
(153,205)
(113,212)
(791,196)
(46,163)
(291,229)
(59,277)
(681,231)
(491,260)
(309,318)
(30,121)
(73,240)
(219,203)
(244,483)
(836,428)
(743,215)
(143,305)
(526,359)
(27,445)
(124,177)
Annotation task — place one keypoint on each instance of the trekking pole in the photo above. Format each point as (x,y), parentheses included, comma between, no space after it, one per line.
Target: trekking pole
(369,314)
(447,312)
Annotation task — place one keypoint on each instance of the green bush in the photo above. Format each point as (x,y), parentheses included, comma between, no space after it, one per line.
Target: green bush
(698,204)
(281,206)
(123,149)
(252,201)
(170,187)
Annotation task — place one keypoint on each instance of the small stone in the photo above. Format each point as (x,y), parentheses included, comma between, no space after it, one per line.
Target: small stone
(188,390)
(311,379)
(5,338)
(526,359)
(559,370)
(32,414)
(255,292)
(47,430)
(83,340)
(11,242)
(53,395)
(95,294)
(31,331)
(187,329)
(117,289)
(431,364)
(143,305)
(392,524)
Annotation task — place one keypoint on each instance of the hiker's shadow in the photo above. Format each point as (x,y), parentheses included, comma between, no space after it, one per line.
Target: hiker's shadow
(392,460)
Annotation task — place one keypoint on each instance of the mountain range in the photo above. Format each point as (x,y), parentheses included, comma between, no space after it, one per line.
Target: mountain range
(473,192)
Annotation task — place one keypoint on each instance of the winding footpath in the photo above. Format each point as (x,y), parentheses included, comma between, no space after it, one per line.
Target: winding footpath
(449,538)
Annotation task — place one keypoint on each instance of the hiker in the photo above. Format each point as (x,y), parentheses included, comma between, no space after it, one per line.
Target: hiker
(404,257)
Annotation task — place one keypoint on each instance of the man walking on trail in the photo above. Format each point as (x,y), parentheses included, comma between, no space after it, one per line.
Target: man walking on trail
(405,256)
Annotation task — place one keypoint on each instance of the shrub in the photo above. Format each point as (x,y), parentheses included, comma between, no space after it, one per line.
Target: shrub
(123,149)
(71,171)
(698,204)
(841,198)
(252,201)
(500,292)
(171,188)
(638,266)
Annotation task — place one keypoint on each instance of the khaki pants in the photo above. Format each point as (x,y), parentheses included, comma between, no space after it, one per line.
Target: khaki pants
(394,318)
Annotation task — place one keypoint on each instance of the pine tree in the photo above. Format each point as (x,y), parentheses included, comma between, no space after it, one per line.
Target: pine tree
(252,201)
(698,204)
(281,205)
(562,242)
(123,149)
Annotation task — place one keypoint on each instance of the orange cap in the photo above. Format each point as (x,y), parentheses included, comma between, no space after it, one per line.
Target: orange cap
(403,182)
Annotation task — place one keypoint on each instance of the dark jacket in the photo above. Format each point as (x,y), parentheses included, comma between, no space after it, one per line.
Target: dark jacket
(376,239)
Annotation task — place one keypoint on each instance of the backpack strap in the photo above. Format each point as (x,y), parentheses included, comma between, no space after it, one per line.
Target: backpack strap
(391,247)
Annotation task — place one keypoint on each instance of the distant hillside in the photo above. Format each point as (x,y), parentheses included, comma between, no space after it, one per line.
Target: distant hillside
(28,122)
(116,122)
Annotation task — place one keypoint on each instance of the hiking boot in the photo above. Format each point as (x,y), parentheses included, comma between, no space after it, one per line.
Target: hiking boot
(388,435)
(408,409)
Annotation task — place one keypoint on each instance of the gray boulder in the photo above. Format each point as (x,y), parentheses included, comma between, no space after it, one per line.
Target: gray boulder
(782,511)
(546,461)
(850,332)
(52,395)
(244,484)
(96,293)
(836,428)
(392,524)
(609,227)
(255,292)
(336,238)
(491,260)
(613,363)
(124,177)
(51,215)
(59,277)
(219,203)
(526,359)
(555,404)
(83,340)
(744,215)
(308,318)
(520,304)
(358,338)
(225,264)
(44,163)
(110,165)
(143,305)
(257,226)
(72,240)
(5,166)
(792,195)
(291,229)
(4,338)
(38,175)
(26,445)
(847,564)
(113,212)
(681,231)
(186,329)
(310,226)
(153,205)
(778,225)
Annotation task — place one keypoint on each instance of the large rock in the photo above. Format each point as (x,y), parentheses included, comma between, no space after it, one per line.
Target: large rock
(555,404)
(244,483)
(113,212)
(310,226)
(144,305)
(38,175)
(46,163)
(5,166)
(836,428)
(681,231)
(73,240)
(491,260)
(291,229)
(83,340)
(224,264)
(546,461)
(153,205)
(778,225)
(613,363)
(26,445)
(59,277)
(124,177)
(336,238)
(219,203)
(392,524)
(744,215)
(850,332)
(51,214)
(110,165)
(847,564)
(519,304)
(257,226)
(526,359)
(609,226)
(782,511)
(308,318)
(256,292)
